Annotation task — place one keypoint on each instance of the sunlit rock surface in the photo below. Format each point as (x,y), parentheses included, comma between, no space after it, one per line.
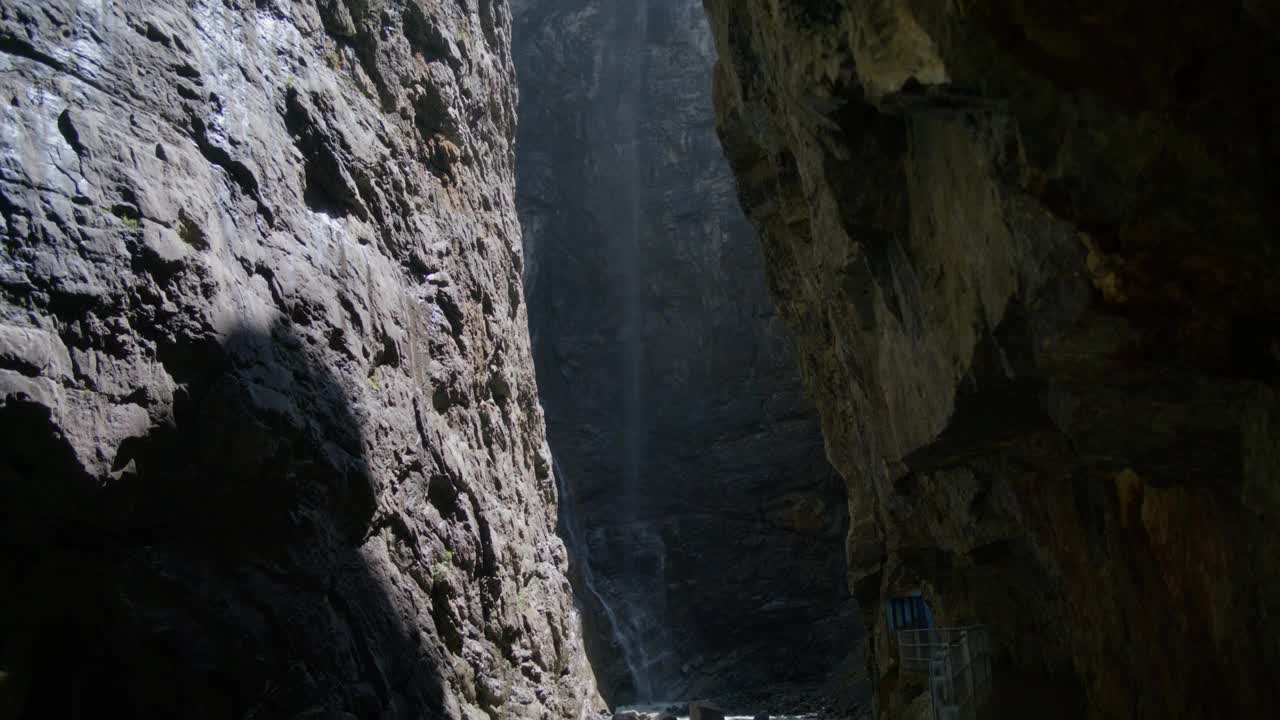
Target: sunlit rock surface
(1028,253)
(270,442)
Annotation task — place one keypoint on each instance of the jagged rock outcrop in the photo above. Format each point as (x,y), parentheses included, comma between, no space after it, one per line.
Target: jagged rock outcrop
(712,522)
(270,441)
(1028,254)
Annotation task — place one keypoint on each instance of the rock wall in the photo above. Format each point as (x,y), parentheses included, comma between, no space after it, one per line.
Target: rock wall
(270,440)
(712,522)
(1028,254)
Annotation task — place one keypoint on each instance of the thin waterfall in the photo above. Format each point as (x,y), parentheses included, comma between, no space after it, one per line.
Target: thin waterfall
(641,622)
(580,550)
(632,599)
(630,259)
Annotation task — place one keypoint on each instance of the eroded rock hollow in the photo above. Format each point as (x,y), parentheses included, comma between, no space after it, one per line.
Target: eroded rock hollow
(1028,254)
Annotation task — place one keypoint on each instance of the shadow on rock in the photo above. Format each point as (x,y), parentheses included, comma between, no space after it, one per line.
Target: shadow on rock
(218,572)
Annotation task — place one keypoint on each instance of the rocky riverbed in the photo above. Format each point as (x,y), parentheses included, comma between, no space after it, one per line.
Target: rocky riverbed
(845,695)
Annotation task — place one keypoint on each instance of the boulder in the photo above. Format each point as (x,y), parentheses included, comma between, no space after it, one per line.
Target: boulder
(703,711)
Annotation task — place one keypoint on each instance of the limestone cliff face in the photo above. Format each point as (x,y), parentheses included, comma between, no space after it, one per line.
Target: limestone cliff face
(1028,253)
(270,442)
(712,522)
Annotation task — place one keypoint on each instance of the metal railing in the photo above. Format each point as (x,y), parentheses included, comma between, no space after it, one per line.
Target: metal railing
(958,664)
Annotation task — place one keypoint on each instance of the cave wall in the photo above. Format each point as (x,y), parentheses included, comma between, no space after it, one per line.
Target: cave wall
(270,440)
(1027,251)
(713,524)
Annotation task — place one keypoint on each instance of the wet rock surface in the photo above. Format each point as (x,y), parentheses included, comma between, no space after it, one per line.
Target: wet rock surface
(1027,252)
(712,521)
(270,442)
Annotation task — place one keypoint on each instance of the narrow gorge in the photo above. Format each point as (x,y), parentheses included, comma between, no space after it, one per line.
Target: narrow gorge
(713,527)
(533,359)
